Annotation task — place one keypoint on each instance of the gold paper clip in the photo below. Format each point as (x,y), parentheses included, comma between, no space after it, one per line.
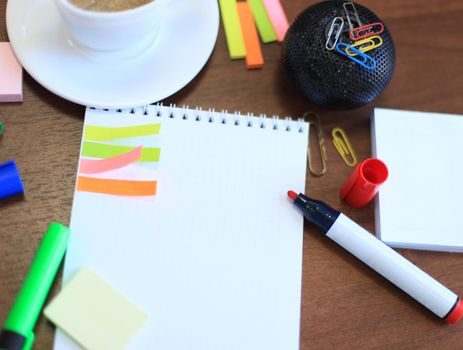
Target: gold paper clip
(343,146)
(314,119)
(366,45)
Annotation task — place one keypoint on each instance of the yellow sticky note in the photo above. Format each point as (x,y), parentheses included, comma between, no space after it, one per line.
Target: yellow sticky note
(94,314)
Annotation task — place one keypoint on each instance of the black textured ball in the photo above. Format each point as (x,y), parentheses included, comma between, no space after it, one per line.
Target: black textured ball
(326,77)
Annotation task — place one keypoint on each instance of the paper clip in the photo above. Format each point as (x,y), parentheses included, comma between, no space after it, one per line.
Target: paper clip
(334,33)
(343,146)
(348,16)
(366,61)
(366,45)
(314,119)
(366,31)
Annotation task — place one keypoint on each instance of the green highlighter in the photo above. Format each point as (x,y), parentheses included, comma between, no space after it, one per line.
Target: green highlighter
(17,332)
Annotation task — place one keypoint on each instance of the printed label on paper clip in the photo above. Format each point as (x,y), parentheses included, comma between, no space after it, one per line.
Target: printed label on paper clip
(366,45)
(334,33)
(366,31)
(364,60)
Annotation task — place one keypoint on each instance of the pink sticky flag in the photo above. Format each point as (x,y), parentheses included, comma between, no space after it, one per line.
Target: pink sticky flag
(11,78)
(94,166)
(277,17)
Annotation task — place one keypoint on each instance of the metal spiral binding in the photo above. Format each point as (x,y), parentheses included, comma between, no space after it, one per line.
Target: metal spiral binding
(158,110)
(185,112)
(224,119)
(199,111)
(262,119)
(288,123)
(300,125)
(210,115)
(249,117)
(236,118)
(172,107)
(145,110)
(275,121)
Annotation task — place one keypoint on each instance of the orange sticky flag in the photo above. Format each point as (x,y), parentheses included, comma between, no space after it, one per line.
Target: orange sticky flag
(254,58)
(116,187)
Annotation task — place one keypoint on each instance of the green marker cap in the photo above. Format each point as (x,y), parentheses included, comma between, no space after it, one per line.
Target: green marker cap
(17,333)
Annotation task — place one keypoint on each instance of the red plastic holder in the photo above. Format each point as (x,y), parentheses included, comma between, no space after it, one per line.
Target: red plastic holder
(363,184)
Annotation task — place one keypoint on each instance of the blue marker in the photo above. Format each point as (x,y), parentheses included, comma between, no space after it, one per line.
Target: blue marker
(10,181)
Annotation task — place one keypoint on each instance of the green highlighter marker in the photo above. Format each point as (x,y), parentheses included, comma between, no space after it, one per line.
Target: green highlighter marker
(17,333)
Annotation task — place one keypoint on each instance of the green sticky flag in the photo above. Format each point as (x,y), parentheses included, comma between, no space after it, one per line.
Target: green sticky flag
(232,27)
(103,151)
(100,133)
(264,25)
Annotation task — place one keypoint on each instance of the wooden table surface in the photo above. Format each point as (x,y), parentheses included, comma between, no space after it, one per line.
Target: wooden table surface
(345,305)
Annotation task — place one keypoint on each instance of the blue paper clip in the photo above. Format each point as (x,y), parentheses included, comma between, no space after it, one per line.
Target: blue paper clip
(361,58)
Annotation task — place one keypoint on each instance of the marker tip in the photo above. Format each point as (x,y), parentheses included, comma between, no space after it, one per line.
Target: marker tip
(292,195)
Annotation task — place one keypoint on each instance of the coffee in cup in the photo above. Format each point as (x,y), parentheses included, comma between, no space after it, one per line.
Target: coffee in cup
(108,5)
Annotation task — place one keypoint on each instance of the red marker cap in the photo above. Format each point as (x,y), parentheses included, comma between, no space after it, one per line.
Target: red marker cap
(456,313)
(363,184)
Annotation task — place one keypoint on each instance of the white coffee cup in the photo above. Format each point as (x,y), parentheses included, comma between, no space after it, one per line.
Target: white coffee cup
(110,32)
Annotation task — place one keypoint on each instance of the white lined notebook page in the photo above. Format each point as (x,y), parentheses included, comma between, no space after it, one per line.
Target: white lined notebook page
(215,257)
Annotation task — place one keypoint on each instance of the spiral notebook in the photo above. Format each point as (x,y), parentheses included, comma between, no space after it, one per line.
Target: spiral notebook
(185,213)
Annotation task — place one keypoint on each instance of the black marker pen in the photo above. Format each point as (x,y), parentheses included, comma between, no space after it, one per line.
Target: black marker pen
(384,260)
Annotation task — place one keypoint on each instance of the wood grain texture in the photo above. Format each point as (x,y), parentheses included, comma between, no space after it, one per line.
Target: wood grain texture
(344,304)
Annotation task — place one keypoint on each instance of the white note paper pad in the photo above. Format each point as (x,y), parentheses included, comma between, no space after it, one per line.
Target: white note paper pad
(420,205)
(214,259)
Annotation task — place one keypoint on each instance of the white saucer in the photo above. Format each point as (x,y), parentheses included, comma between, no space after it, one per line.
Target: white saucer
(184,44)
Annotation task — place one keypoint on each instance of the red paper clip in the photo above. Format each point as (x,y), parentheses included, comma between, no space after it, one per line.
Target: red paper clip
(366,31)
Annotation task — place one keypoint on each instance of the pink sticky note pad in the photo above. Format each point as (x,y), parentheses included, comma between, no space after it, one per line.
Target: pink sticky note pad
(11,75)
(277,17)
